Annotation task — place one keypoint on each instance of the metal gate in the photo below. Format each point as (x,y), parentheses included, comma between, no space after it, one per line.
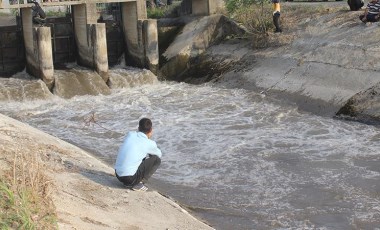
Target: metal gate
(110,14)
(63,43)
(12,54)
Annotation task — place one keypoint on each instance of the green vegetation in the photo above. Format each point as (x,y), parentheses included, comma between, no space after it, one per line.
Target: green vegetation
(156,12)
(55,13)
(25,201)
(163,11)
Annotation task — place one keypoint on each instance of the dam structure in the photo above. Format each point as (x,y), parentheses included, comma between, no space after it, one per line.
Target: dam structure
(89,44)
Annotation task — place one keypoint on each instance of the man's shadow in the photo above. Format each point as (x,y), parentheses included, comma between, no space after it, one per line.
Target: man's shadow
(101,177)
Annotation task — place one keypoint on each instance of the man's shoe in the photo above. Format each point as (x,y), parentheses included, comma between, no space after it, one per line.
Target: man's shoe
(140,187)
(278,30)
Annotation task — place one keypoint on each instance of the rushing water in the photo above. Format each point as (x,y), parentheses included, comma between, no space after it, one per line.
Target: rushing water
(238,160)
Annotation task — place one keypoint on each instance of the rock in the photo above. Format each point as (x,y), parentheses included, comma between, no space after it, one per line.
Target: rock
(193,40)
(364,106)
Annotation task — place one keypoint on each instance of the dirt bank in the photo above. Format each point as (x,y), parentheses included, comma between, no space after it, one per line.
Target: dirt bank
(86,194)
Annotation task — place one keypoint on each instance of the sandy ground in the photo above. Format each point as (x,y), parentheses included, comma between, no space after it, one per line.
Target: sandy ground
(86,194)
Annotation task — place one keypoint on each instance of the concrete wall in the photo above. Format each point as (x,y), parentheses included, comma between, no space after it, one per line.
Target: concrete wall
(81,35)
(205,7)
(90,38)
(98,34)
(38,49)
(200,7)
(141,36)
(133,36)
(150,34)
(215,6)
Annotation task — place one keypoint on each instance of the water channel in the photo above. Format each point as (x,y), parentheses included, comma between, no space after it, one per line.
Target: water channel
(236,159)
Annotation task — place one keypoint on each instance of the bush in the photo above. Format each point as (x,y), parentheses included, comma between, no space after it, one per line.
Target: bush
(256,16)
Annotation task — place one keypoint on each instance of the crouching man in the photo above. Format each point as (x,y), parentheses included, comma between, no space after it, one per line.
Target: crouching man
(138,157)
(371,13)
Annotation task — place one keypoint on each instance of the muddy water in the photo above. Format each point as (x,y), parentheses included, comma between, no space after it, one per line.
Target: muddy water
(235,158)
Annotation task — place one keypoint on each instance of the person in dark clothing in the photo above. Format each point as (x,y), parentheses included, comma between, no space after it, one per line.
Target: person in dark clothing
(276,15)
(355,5)
(38,14)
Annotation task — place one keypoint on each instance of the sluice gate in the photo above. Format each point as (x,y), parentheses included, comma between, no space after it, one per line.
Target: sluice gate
(12,55)
(62,39)
(87,36)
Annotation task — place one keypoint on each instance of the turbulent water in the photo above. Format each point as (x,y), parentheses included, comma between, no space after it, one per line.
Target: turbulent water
(237,159)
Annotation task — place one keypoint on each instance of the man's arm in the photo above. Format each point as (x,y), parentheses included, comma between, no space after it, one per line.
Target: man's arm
(366,12)
(154,150)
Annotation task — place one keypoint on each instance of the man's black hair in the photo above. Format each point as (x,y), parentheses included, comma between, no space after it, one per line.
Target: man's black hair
(145,125)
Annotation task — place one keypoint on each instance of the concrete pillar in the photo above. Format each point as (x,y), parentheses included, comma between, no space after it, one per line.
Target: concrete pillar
(141,36)
(150,35)
(100,49)
(215,5)
(200,7)
(38,49)
(90,38)
(133,34)
(206,7)
(141,9)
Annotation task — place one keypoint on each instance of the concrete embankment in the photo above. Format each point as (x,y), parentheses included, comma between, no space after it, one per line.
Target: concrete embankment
(331,63)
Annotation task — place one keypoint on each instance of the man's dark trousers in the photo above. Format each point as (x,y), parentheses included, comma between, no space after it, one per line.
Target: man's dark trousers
(146,169)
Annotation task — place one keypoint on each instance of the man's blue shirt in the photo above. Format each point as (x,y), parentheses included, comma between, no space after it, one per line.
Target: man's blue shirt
(135,148)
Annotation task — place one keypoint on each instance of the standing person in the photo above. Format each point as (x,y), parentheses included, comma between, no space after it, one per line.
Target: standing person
(371,13)
(276,15)
(138,157)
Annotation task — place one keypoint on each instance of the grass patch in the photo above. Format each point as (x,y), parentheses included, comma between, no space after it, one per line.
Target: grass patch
(156,12)
(163,11)
(55,13)
(25,190)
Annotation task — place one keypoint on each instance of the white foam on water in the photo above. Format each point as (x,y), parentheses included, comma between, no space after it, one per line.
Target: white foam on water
(244,153)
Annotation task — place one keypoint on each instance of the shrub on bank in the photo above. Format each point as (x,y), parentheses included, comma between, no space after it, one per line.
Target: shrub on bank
(25,201)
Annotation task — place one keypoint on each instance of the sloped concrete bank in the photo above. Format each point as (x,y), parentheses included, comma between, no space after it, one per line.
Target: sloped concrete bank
(332,67)
(85,191)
